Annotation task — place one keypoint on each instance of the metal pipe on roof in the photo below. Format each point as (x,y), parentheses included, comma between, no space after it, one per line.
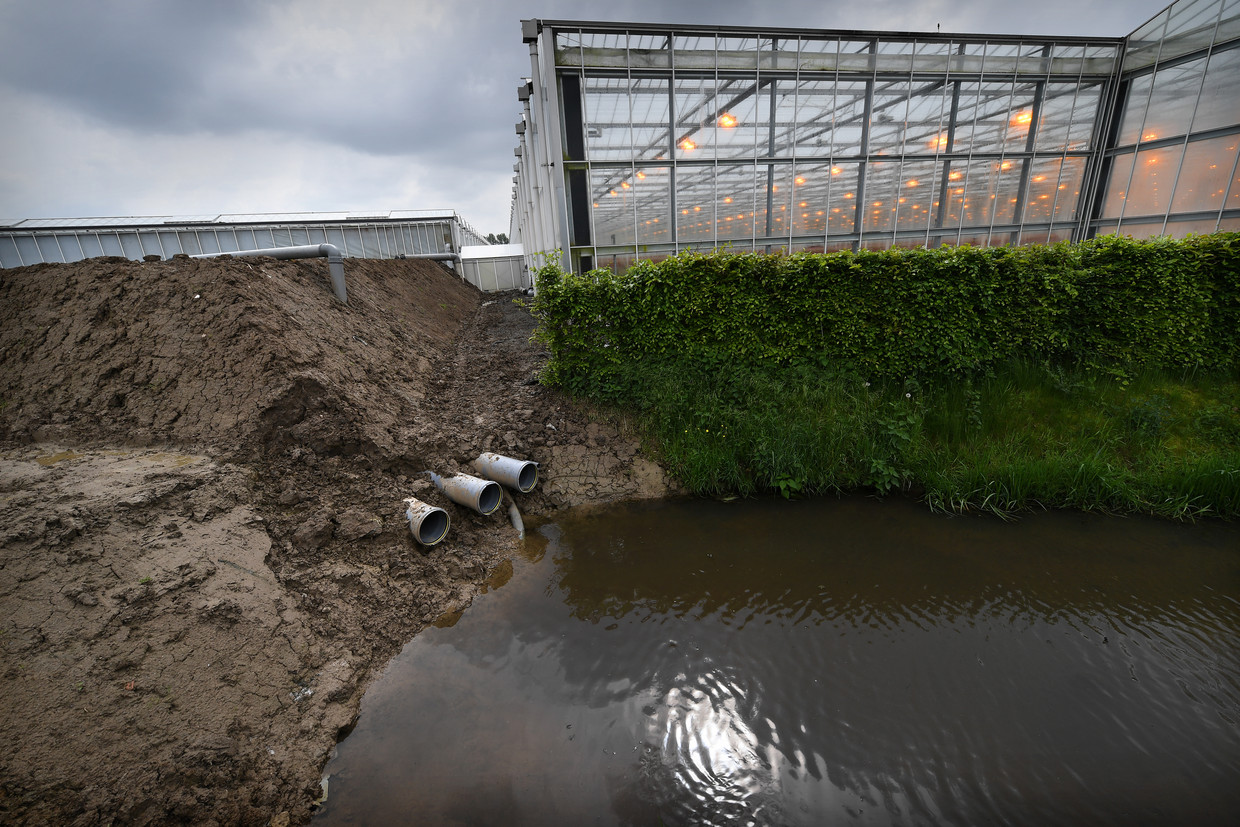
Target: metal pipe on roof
(335,261)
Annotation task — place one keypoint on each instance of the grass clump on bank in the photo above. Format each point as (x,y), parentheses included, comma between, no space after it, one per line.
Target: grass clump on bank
(1098,376)
(1027,436)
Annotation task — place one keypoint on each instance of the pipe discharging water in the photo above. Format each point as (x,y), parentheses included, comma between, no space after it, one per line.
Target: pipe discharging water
(518,474)
(483,496)
(428,523)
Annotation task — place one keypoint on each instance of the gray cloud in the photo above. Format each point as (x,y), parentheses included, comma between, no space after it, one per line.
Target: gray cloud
(411,98)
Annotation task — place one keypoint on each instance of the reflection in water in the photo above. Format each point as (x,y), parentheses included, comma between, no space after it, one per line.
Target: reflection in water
(799,663)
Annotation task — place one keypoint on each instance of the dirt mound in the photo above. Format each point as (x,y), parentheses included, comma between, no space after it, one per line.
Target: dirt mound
(203,559)
(235,356)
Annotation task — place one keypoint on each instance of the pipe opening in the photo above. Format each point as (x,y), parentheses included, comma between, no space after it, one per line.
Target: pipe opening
(433,528)
(528,478)
(489,498)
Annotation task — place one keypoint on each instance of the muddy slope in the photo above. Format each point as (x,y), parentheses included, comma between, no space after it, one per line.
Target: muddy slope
(202,557)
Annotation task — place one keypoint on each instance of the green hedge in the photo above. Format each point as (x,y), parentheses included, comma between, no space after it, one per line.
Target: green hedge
(1110,304)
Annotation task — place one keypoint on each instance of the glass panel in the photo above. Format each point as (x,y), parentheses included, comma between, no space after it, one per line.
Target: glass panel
(1067,117)
(981,193)
(973,240)
(695,204)
(1152,180)
(1229,225)
(811,195)
(1035,59)
(1219,104)
(856,56)
(1020,117)
(1117,186)
(651,193)
(982,123)
(1054,190)
(888,117)
(818,55)
(607,119)
(740,99)
(842,199)
(1134,110)
(649,51)
(1229,24)
(1144,42)
(894,57)
(1233,196)
(932,58)
(777,53)
(737,52)
(928,112)
(779,179)
(649,98)
(968,58)
(617,262)
(568,48)
(785,118)
(600,49)
(815,113)
(1191,27)
(845,136)
(1081,134)
(1202,184)
(698,115)
(1179,229)
(1141,229)
(1175,95)
(1001,58)
(917,190)
(614,206)
(695,52)
(1034,236)
(735,191)
(882,185)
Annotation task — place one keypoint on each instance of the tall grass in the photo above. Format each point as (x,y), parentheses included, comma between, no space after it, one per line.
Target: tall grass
(1027,436)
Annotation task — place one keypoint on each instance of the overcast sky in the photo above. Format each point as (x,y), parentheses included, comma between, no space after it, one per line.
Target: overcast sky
(177,107)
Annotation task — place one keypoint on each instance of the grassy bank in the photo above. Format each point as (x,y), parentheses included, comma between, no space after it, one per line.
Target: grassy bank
(1026,436)
(1101,375)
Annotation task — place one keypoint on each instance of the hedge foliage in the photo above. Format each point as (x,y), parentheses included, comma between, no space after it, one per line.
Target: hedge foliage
(1110,304)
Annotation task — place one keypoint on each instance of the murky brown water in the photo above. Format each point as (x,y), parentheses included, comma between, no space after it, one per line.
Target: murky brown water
(808,663)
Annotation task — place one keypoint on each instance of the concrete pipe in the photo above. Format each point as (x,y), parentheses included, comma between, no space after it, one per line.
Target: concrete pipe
(483,496)
(427,523)
(518,474)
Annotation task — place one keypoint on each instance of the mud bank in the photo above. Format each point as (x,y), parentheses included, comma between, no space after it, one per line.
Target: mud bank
(203,560)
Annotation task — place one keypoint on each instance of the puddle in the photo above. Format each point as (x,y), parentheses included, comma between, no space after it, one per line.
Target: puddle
(52,459)
(805,663)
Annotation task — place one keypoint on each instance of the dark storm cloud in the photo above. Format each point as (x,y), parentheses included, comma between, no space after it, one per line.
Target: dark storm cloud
(133,62)
(426,86)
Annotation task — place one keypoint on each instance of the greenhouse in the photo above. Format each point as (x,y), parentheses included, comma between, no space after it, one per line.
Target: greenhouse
(641,141)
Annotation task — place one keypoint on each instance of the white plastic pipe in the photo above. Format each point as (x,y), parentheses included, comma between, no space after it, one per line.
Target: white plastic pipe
(427,523)
(482,496)
(518,474)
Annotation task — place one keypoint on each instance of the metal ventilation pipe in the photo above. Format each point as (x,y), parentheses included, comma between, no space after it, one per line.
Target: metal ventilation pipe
(335,261)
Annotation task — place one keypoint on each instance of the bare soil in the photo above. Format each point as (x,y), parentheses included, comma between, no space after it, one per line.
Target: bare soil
(203,554)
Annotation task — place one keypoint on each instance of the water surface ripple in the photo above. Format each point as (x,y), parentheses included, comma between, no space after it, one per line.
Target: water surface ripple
(808,663)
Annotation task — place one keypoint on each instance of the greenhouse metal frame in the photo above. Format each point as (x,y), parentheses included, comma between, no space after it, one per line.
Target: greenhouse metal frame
(641,141)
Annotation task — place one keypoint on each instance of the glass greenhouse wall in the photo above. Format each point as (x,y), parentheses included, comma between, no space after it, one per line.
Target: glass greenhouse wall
(643,141)
(1172,148)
